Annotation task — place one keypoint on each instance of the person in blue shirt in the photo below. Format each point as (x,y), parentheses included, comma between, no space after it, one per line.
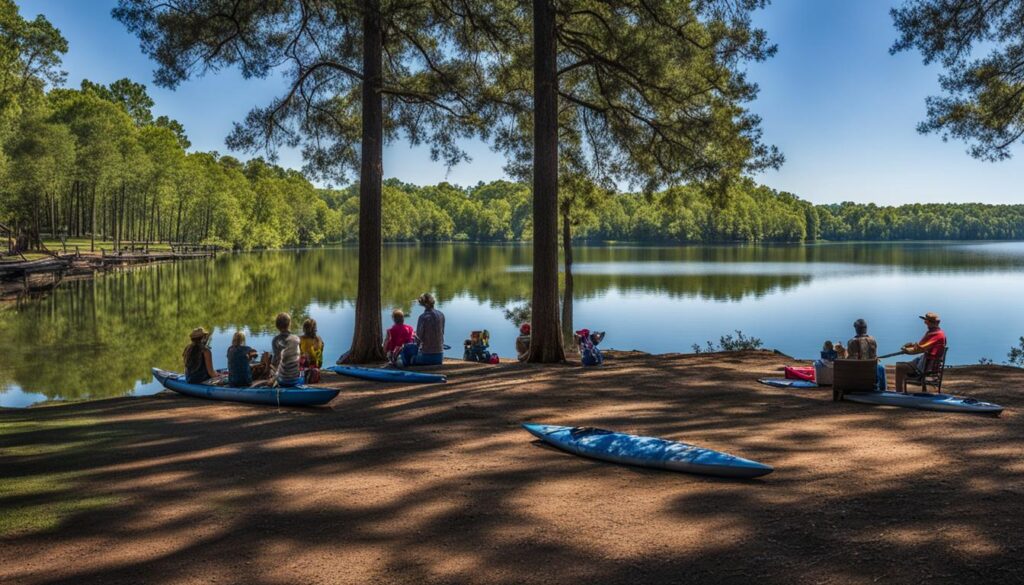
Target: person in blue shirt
(241,372)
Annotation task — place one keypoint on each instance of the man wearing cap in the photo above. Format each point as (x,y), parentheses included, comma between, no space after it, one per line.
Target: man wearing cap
(930,348)
(864,347)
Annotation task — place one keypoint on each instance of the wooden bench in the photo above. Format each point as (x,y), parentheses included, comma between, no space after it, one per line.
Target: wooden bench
(853,376)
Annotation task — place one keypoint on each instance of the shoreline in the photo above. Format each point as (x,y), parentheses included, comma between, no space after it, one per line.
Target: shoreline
(438,484)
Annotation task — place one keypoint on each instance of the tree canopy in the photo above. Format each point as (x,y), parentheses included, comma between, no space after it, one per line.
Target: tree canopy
(983,101)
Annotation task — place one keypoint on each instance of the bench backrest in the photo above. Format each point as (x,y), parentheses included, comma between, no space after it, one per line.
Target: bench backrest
(853,376)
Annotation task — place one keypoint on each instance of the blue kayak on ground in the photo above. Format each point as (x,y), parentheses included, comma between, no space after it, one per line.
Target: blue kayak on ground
(787,383)
(925,401)
(646,451)
(293,396)
(388,375)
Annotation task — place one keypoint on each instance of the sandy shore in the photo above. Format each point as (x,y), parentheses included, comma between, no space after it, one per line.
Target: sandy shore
(438,484)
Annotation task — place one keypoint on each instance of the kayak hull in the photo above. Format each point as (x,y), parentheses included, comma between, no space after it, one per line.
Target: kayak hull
(646,451)
(296,396)
(788,383)
(388,375)
(925,401)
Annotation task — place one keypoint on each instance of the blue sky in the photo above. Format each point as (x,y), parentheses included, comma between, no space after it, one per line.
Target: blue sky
(839,106)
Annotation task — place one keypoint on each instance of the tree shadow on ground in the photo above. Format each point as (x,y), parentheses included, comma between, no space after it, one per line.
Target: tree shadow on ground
(437,483)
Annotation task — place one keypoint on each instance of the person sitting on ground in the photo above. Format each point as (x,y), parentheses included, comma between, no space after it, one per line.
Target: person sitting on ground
(198,359)
(823,367)
(930,348)
(840,350)
(397,336)
(311,346)
(285,360)
(523,342)
(430,333)
(828,352)
(241,371)
(864,347)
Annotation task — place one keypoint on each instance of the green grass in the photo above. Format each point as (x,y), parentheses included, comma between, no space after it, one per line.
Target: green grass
(41,501)
(46,500)
(84,243)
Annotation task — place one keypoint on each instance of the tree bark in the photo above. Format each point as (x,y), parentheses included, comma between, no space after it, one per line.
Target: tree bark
(546,335)
(367,339)
(568,335)
(92,235)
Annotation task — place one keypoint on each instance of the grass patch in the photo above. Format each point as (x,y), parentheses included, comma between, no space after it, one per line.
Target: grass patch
(84,245)
(41,501)
(37,503)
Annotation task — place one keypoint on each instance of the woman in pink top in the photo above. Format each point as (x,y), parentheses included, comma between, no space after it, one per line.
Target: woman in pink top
(398,335)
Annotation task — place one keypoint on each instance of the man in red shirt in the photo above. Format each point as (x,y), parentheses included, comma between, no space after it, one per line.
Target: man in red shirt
(930,348)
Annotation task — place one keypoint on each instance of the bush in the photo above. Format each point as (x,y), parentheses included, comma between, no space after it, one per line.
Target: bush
(1016,354)
(518,314)
(729,343)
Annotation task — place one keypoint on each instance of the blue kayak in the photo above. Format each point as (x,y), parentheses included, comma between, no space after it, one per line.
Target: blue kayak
(646,451)
(925,401)
(787,383)
(295,396)
(388,375)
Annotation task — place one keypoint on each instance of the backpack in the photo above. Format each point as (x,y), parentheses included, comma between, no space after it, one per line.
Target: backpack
(475,349)
(406,354)
(587,341)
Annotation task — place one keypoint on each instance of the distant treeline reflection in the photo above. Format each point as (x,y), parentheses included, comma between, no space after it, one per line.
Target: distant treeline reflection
(100,337)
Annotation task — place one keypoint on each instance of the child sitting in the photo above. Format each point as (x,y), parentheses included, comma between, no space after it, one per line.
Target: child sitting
(476,348)
(397,336)
(840,351)
(523,342)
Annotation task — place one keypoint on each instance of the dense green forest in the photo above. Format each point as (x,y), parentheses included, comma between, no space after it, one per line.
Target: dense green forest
(95,162)
(499,211)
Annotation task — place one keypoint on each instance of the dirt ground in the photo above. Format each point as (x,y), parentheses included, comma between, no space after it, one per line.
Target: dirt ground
(438,484)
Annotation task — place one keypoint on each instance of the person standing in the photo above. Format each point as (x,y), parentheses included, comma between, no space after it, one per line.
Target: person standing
(928,351)
(864,347)
(430,332)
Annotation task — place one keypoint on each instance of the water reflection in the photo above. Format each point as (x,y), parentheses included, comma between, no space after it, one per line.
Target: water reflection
(93,338)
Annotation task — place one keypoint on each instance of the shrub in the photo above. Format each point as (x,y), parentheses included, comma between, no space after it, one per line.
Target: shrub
(730,343)
(1016,354)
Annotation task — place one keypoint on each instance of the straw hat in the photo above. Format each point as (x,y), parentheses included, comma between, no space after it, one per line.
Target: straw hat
(197,334)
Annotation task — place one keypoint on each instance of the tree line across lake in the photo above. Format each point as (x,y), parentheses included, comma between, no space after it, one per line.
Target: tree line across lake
(580,95)
(95,162)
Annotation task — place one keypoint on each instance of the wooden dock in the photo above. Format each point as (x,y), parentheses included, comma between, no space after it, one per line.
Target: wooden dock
(32,275)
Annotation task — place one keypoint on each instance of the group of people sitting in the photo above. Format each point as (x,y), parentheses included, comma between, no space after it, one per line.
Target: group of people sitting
(293,360)
(929,351)
(423,346)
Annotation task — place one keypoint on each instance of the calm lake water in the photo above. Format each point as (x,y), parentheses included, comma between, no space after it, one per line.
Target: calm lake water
(98,338)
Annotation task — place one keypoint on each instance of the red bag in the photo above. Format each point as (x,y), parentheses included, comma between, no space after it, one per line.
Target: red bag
(805,373)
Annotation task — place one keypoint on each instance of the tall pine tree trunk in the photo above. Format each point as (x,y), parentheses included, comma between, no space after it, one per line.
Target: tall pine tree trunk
(92,208)
(567,329)
(546,334)
(367,339)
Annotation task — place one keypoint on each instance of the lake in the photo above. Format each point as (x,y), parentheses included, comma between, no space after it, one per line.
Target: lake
(98,338)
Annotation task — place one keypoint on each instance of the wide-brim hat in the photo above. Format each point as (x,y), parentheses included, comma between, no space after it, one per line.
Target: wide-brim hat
(933,317)
(198,333)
